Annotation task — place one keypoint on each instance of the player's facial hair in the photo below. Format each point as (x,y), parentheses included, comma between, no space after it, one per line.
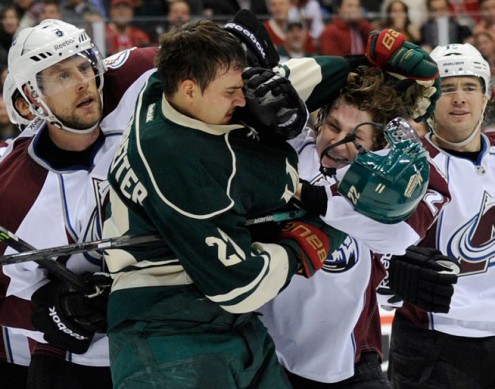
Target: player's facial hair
(73,120)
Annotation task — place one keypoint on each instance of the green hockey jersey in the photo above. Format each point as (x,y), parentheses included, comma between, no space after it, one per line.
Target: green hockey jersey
(196,185)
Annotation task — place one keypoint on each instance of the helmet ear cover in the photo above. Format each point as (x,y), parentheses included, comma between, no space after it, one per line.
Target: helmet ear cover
(387,188)
(11,94)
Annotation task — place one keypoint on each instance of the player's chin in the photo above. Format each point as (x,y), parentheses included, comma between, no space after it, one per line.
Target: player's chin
(91,121)
(85,123)
(226,119)
(330,163)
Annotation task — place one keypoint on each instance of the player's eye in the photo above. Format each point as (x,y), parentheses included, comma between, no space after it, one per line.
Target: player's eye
(63,76)
(86,68)
(333,128)
(448,89)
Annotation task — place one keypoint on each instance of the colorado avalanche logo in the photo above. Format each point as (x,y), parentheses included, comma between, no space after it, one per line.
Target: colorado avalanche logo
(344,258)
(117,60)
(474,242)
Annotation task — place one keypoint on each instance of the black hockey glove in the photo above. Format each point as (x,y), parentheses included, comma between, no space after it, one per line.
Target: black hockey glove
(314,198)
(69,318)
(273,107)
(260,51)
(424,277)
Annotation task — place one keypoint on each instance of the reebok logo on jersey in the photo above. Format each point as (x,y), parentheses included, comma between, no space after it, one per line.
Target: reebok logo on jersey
(52,312)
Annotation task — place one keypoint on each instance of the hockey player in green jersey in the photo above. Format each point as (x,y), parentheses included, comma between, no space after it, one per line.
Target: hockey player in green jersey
(182,311)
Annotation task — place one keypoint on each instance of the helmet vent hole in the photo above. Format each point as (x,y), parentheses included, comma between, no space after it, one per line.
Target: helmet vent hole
(41,56)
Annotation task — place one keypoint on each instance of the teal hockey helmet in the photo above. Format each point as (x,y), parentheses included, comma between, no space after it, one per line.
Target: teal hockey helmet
(388,188)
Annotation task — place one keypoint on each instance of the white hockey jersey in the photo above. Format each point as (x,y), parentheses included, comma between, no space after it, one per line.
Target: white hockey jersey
(312,320)
(465,230)
(50,202)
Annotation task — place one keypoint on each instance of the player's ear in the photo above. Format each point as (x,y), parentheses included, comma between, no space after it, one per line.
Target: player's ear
(188,88)
(30,96)
(321,116)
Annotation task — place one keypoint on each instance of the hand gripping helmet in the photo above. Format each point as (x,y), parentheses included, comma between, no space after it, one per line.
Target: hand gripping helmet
(37,48)
(456,60)
(10,94)
(387,188)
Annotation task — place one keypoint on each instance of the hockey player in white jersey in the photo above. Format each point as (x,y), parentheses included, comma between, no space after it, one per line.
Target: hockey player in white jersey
(457,349)
(52,192)
(313,321)
(15,354)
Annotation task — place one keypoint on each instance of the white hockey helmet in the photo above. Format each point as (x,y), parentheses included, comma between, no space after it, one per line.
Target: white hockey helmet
(10,93)
(462,59)
(37,48)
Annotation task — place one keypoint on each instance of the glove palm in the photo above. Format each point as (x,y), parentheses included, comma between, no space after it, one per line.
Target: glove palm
(273,107)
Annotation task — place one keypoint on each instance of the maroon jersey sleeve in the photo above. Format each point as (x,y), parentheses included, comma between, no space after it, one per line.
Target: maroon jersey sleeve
(435,198)
(367,332)
(122,70)
(14,311)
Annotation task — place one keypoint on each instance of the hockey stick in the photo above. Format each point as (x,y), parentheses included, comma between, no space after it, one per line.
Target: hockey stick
(277,217)
(31,254)
(74,248)
(54,267)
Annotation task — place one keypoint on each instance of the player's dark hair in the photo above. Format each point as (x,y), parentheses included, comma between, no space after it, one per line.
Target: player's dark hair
(197,51)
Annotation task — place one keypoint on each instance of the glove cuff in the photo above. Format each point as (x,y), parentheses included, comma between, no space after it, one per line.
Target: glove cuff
(314,198)
(313,242)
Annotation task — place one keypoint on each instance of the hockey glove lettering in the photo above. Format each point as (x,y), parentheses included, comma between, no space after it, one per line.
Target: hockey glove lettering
(273,107)
(424,277)
(312,241)
(386,297)
(69,318)
(254,38)
(389,50)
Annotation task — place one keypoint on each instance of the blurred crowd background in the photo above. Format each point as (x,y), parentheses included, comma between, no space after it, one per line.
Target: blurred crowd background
(297,27)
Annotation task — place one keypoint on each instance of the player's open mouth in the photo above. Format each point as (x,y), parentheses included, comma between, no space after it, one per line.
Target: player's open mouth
(459,113)
(86,102)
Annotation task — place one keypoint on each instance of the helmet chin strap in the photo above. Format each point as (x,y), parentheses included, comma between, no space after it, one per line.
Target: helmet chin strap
(45,113)
(80,131)
(466,141)
(331,171)
(351,138)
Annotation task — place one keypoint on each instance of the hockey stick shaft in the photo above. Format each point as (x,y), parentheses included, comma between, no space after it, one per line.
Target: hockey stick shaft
(75,248)
(112,243)
(52,266)
(277,217)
